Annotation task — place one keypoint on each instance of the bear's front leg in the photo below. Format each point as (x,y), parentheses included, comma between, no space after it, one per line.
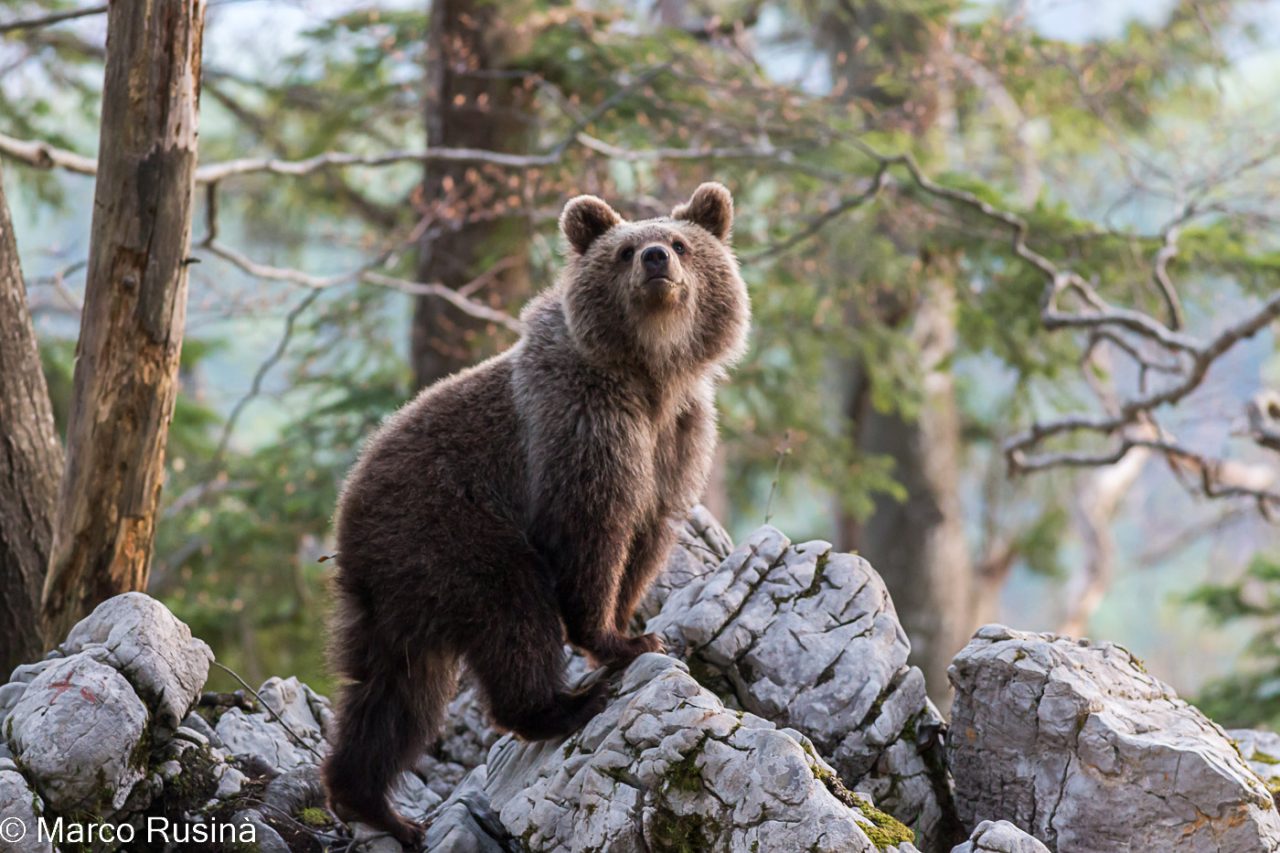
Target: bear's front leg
(648,556)
(591,478)
(588,590)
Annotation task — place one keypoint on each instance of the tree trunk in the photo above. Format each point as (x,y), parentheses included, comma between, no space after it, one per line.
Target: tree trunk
(30,463)
(134,311)
(919,545)
(471,103)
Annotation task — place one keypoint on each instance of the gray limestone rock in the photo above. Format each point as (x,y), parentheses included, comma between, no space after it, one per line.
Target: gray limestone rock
(807,637)
(668,766)
(150,647)
(1078,744)
(22,676)
(1000,836)
(20,807)
(1262,750)
(467,823)
(77,733)
(287,733)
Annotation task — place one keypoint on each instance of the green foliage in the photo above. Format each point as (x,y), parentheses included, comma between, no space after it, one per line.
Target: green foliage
(1251,695)
(836,285)
(239,561)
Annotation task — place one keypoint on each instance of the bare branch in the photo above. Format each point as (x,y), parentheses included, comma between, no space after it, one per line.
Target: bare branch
(367,275)
(630,155)
(255,387)
(1160,275)
(1132,417)
(871,193)
(42,155)
(55,18)
(453,297)
(341,159)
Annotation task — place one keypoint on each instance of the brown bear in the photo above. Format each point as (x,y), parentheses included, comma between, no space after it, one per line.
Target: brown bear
(525,502)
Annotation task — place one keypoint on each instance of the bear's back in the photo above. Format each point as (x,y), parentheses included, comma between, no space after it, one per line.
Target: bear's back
(456,445)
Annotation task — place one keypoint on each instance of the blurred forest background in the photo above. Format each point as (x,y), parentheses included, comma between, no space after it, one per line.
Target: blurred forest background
(1013,268)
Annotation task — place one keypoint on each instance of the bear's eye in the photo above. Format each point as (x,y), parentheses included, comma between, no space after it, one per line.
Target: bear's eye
(679,247)
(627,254)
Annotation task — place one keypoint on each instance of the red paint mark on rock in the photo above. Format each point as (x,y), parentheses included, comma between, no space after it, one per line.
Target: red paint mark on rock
(60,687)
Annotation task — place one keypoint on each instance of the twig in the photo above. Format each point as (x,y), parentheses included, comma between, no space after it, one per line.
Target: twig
(256,387)
(55,18)
(782,451)
(448,294)
(871,193)
(279,719)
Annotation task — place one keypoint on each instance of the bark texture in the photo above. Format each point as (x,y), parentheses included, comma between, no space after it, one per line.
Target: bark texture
(134,311)
(30,463)
(472,102)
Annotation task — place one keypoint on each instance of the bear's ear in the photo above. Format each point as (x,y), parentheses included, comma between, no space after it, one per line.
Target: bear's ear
(710,206)
(584,219)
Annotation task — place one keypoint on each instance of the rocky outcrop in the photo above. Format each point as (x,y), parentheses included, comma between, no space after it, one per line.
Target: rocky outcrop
(79,734)
(785,718)
(82,724)
(667,767)
(138,637)
(1076,743)
(808,638)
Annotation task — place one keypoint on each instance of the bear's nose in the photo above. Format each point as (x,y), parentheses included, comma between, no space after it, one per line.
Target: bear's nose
(655,260)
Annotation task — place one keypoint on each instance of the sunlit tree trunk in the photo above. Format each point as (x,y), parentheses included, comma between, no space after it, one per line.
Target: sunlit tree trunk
(30,463)
(135,307)
(472,101)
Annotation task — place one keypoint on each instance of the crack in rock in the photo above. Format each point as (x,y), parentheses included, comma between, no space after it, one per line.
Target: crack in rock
(807,637)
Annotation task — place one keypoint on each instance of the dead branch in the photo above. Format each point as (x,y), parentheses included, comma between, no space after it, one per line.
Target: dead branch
(41,155)
(55,18)
(1193,357)
(366,274)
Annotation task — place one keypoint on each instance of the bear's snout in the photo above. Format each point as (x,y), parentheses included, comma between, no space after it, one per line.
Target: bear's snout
(656,260)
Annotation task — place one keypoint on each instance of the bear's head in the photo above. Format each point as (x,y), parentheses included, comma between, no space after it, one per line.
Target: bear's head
(664,291)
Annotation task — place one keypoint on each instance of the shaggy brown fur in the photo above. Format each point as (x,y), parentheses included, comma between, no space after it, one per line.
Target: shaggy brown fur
(526,501)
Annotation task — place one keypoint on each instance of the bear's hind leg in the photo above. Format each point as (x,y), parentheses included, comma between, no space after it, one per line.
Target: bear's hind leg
(385,717)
